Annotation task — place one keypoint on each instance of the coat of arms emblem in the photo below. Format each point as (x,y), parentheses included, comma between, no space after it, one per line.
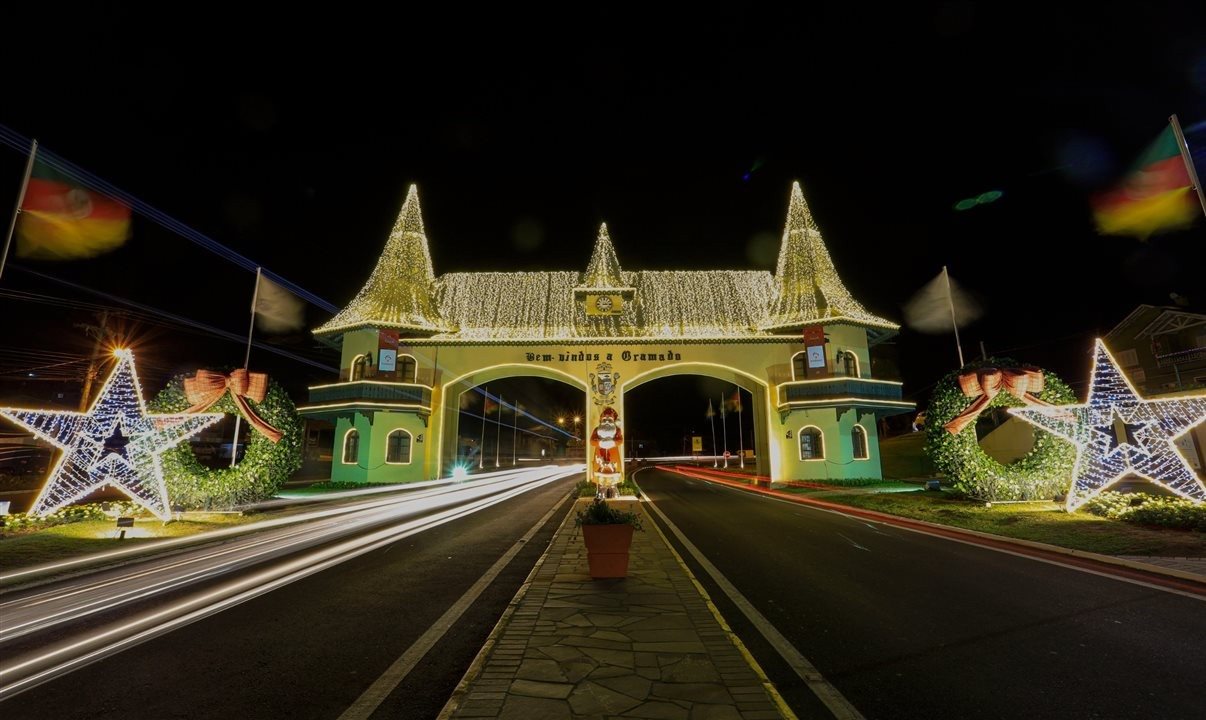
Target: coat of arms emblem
(603,384)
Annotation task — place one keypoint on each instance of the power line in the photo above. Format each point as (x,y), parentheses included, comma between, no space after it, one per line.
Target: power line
(21,143)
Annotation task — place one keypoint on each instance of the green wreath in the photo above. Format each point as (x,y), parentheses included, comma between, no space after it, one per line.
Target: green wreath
(265,465)
(1044,472)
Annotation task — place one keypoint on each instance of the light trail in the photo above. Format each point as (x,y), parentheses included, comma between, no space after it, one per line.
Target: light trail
(284,555)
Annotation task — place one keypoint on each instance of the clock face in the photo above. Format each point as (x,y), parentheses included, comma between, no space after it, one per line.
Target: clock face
(603,303)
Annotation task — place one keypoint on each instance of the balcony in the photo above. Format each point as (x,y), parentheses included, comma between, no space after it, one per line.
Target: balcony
(881,395)
(329,401)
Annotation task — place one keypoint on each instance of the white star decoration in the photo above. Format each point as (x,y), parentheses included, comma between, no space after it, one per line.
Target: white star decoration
(1117,433)
(116,442)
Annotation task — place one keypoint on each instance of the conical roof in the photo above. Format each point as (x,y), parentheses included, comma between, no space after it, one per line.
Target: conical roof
(400,292)
(807,287)
(603,270)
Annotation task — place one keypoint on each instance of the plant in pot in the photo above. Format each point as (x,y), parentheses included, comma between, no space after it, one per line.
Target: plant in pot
(608,535)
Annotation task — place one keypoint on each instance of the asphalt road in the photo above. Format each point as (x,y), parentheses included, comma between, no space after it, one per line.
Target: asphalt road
(309,649)
(907,625)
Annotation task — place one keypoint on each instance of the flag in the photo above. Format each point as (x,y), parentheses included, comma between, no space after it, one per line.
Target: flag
(1156,196)
(63,220)
(929,310)
(711,413)
(722,404)
(276,309)
(735,401)
(489,406)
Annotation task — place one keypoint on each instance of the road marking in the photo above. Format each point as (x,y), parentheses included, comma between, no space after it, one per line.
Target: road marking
(982,544)
(860,547)
(825,692)
(393,676)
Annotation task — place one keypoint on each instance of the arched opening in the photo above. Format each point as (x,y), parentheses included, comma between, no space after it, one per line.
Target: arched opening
(847,363)
(516,421)
(799,366)
(359,367)
(812,443)
(858,442)
(407,368)
(397,447)
(351,447)
(690,416)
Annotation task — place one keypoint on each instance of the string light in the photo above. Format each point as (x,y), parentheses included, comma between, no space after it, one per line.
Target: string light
(399,293)
(115,443)
(721,305)
(807,286)
(1118,433)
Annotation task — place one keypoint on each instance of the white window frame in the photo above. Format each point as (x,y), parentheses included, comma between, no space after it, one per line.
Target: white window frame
(343,448)
(866,443)
(800,448)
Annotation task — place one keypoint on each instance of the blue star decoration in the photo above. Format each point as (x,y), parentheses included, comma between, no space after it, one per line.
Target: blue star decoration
(115,443)
(1117,433)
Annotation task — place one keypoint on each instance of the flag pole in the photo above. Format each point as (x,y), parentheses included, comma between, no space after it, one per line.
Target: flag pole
(255,298)
(951,301)
(498,428)
(712,419)
(481,453)
(12,224)
(740,430)
(724,426)
(1184,148)
(514,427)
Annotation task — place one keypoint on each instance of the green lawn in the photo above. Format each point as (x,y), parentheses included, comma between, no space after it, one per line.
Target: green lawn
(82,538)
(1042,522)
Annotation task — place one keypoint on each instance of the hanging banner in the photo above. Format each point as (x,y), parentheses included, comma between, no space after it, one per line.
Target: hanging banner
(387,350)
(814,345)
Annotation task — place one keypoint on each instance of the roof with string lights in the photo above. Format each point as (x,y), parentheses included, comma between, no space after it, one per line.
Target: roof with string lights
(403,293)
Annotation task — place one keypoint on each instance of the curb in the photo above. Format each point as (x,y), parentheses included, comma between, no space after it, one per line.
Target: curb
(479,660)
(973,536)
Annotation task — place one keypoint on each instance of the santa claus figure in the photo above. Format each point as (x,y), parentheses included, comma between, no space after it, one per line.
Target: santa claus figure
(606,439)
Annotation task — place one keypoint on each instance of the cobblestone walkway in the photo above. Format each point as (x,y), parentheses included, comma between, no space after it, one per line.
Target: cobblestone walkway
(1188,564)
(646,646)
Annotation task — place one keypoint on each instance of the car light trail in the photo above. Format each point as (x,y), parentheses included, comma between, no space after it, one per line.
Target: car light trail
(285,555)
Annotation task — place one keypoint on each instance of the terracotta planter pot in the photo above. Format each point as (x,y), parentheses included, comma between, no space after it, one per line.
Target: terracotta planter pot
(607,549)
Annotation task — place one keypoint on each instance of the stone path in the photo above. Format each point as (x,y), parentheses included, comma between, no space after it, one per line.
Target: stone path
(645,646)
(1195,565)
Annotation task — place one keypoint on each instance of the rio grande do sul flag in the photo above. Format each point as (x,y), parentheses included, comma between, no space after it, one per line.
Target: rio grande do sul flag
(1155,197)
(63,220)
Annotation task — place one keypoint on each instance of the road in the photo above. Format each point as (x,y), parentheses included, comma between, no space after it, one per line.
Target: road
(906,625)
(280,642)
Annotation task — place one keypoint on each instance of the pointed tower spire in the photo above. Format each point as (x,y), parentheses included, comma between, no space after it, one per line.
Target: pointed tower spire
(400,292)
(807,286)
(603,270)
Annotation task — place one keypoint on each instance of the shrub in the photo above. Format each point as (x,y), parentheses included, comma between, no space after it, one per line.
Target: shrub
(1146,509)
(600,513)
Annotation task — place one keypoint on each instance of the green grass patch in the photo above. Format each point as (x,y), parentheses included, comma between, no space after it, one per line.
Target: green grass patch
(1045,522)
(92,536)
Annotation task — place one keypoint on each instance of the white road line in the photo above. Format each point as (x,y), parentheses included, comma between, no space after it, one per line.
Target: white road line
(983,546)
(860,547)
(376,694)
(825,692)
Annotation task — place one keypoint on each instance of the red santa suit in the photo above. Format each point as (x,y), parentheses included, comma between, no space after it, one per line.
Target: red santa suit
(606,439)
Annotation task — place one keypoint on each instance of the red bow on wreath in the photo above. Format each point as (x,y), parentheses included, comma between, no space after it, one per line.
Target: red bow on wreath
(208,387)
(983,384)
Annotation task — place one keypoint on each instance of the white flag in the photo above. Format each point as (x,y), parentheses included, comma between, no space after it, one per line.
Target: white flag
(276,309)
(929,311)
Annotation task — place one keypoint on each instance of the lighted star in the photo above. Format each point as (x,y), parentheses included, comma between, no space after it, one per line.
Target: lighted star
(1117,433)
(115,443)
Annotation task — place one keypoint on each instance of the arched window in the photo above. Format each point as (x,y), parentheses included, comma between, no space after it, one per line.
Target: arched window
(812,443)
(799,366)
(858,439)
(850,363)
(358,365)
(351,447)
(407,368)
(397,448)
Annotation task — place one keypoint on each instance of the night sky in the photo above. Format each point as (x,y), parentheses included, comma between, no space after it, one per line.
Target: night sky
(292,140)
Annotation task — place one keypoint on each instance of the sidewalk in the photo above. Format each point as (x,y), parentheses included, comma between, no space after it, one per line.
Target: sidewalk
(646,646)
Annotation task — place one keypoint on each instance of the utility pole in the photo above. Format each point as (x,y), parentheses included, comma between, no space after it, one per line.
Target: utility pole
(99,334)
